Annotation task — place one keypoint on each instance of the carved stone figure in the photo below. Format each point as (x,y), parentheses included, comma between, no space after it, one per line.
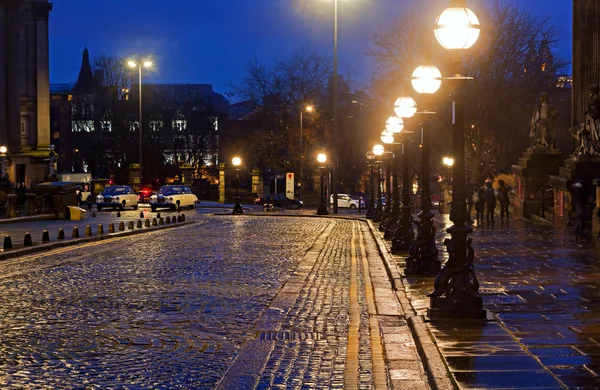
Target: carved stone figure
(52,173)
(587,133)
(542,131)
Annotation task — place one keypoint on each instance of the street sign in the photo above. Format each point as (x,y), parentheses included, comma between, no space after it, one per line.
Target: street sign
(289,185)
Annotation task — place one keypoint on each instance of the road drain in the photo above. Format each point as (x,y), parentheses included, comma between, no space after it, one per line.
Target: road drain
(284,336)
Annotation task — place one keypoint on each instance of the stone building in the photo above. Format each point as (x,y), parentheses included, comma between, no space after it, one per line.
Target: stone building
(24,88)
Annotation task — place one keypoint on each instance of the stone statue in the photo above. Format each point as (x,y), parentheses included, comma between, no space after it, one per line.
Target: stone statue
(52,173)
(587,133)
(541,130)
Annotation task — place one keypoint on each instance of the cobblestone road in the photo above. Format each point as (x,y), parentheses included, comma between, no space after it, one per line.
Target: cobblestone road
(173,309)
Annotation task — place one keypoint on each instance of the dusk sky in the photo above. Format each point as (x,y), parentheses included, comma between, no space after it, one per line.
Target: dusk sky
(210,41)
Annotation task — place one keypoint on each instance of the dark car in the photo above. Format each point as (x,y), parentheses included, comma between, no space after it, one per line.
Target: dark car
(145,194)
(279,200)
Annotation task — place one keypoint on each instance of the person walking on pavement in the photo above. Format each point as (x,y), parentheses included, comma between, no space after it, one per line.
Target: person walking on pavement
(490,202)
(504,201)
(479,202)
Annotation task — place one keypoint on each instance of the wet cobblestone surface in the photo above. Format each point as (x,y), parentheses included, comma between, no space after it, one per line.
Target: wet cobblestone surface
(161,310)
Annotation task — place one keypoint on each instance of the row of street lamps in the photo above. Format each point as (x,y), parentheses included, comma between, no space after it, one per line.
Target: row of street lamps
(456,287)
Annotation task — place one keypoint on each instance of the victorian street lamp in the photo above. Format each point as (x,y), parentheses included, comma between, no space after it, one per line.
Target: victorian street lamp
(387,138)
(139,65)
(307,109)
(448,162)
(456,292)
(237,208)
(3,165)
(371,161)
(403,237)
(389,224)
(322,210)
(423,253)
(378,150)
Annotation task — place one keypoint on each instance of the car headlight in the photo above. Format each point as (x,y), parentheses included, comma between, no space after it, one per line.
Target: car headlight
(153,197)
(99,197)
(170,199)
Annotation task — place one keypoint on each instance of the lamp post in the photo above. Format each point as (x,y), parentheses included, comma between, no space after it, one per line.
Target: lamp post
(456,293)
(334,184)
(237,208)
(378,150)
(404,107)
(371,162)
(3,165)
(388,224)
(423,253)
(448,162)
(322,210)
(308,109)
(139,64)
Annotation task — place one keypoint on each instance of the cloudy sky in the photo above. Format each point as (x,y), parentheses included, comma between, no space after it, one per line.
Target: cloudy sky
(209,41)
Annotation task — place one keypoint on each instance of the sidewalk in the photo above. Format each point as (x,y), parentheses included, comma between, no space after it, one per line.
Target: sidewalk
(543,289)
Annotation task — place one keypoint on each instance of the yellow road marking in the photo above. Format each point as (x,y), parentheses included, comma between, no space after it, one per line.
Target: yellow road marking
(351,371)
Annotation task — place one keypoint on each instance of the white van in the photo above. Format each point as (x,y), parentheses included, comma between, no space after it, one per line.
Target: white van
(345,201)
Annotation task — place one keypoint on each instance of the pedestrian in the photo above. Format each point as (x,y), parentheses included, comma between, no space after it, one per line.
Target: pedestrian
(470,203)
(503,200)
(479,203)
(490,202)
(579,202)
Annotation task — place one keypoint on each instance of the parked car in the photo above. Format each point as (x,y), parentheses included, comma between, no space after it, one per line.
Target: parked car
(173,197)
(345,201)
(117,197)
(145,194)
(279,200)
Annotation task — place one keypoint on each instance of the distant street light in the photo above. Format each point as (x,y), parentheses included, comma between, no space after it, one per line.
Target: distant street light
(322,210)
(423,254)
(139,65)
(405,107)
(301,180)
(237,208)
(378,150)
(371,161)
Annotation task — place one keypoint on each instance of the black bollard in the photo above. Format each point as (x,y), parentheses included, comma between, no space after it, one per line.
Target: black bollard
(154,222)
(147,223)
(121,226)
(88,230)
(93,213)
(168,220)
(100,229)
(139,224)
(27,241)
(130,225)
(158,215)
(7,243)
(118,214)
(45,236)
(161,221)
(141,214)
(111,228)
(179,218)
(61,234)
(75,232)
(182,217)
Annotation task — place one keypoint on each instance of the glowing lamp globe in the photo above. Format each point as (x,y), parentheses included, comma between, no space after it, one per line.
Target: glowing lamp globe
(370,155)
(236,161)
(394,124)
(321,157)
(405,107)
(378,150)
(426,79)
(457,27)
(387,137)
(3,149)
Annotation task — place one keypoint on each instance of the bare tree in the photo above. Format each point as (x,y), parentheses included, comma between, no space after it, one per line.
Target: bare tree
(511,63)
(114,72)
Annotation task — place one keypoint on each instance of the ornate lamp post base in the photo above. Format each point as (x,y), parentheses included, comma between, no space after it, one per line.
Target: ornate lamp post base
(322,210)
(456,287)
(237,208)
(404,234)
(423,254)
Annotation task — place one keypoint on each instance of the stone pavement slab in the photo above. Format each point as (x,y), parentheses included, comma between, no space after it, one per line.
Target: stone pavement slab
(542,287)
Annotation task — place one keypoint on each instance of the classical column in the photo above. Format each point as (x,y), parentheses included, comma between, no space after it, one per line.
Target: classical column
(13,98)
(41,11)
